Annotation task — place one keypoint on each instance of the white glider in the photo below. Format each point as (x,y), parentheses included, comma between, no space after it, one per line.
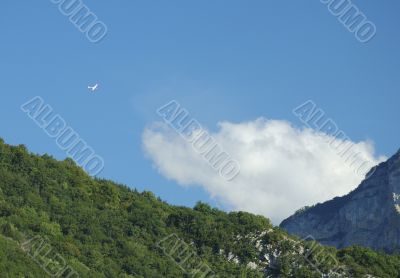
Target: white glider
(93,88)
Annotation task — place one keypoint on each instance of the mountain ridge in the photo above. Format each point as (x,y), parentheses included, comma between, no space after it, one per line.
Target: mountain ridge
(97,228)
(368,216)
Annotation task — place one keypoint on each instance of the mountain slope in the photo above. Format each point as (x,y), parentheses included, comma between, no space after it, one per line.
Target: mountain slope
(368,216)
(56,219)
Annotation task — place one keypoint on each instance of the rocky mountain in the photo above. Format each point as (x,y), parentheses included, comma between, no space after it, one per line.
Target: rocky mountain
(368,216)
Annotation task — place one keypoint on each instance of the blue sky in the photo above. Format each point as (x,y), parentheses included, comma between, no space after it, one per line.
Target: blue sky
(222,60)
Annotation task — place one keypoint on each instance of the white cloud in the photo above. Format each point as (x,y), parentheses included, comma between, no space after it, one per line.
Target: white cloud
(283,168)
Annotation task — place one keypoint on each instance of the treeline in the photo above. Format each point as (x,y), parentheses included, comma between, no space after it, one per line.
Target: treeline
(102,229)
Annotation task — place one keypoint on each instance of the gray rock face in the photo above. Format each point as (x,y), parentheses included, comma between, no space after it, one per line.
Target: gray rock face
(368,216)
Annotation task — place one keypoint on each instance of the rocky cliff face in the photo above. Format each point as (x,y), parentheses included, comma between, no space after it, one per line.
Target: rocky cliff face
(368,216)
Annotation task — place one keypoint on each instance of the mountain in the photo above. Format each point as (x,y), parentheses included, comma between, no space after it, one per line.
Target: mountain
(56,221)
(368,216)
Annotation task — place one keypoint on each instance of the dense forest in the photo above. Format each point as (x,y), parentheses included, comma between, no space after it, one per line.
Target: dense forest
(55,220)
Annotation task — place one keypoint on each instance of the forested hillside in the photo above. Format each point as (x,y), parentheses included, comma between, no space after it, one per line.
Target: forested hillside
(56,220)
